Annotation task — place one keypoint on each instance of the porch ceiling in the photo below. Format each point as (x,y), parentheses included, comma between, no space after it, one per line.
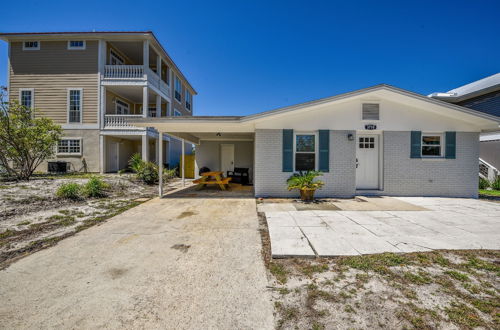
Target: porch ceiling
(132,49)
(132,93)
(197,137)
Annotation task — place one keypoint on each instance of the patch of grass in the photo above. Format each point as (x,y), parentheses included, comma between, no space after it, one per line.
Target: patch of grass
(279,271)
(462,314)
(317,326)
(4,187)
(7,233)
(286,313)
(62,220)
(377,262)
(487,306)
(421,278)
(349,309)
(457,275)
(24,223)
(283,291)
(309,270)
(495,193)
(481,264)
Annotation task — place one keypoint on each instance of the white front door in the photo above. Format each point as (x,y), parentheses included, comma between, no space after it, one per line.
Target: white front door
(226,158)
(367,162)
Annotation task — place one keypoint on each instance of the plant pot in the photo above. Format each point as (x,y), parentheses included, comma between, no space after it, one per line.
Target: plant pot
(307,195)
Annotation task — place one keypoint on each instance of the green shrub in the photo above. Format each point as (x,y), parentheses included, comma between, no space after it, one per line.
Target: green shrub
(496,183)
(148,173)
(483,183)
(69,190)
(95,187)
(135,162)
(169,174)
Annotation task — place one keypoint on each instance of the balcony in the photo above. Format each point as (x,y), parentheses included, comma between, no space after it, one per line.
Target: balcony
(135,72)
(120,122)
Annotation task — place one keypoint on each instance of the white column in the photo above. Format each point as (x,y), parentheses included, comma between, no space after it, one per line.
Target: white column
(145,101)
(157,145)
(160,164)
(183,164)
(158,65)
(102,154)
(158,106)
(145,148)
(102,107)
(145,57)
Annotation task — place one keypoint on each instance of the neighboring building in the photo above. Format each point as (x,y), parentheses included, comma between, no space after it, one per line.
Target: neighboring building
(93,84)
(380,140)
(481,95)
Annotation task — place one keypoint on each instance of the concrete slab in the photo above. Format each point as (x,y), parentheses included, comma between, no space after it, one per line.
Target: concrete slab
(326,243)
(430,224)
(289,242)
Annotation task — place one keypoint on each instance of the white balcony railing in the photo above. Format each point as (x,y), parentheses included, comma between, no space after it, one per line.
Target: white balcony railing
(124,71)
(487,171)
(120,121)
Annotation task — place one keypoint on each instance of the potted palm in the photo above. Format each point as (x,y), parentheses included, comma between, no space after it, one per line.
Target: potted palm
(305,183)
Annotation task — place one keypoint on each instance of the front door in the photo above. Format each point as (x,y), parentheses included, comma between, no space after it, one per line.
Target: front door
(226,158)
(367,162)
(113,157)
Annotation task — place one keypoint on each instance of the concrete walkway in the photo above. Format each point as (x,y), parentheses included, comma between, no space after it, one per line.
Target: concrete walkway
(441,223)
(187,263)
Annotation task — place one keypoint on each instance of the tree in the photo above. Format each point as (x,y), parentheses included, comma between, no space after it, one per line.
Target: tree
(25,140)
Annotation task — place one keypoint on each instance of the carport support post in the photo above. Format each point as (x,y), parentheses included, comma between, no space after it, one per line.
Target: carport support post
(160,165)
(183,165)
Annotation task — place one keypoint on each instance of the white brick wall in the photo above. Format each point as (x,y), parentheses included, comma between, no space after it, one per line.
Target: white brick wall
(404,176)
(270,181)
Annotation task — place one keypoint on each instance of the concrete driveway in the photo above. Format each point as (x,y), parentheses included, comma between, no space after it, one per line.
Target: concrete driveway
(429,224)
(183,263)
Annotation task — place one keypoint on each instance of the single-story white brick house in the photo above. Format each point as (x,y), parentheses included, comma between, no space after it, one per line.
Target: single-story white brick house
(380,140)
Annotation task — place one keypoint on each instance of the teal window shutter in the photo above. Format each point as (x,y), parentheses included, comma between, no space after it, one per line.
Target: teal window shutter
(451,142)
(288,150)
(416,144)
(324,150)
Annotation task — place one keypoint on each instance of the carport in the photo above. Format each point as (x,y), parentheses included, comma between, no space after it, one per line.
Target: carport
(222,143)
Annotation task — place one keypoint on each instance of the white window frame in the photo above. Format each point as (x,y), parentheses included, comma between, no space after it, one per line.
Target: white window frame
(177,113)
(441,144)
(77,48)
(316,148)
(70,153)
(177,79)
(68,104)
(31,48)
(190,99)
(32,90)
(125,105)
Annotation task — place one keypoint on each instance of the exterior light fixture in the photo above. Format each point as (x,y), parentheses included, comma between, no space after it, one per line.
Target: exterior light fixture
(218,134)
(350,137)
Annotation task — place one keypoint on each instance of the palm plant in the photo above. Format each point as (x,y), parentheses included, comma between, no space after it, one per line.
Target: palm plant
(305,183)
(135,162)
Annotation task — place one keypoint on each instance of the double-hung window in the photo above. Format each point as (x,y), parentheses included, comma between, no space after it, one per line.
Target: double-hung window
(75,96)
(26,97)
(189,100)
(432,145)
(31,45)
(69,146)
(178,89)
(122,108)
(76,45)
(305,152)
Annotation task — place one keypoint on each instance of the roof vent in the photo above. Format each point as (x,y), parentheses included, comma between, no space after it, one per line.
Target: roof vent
(371,111)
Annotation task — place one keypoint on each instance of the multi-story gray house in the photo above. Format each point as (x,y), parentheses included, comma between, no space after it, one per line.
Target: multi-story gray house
(93,84)
(482,95)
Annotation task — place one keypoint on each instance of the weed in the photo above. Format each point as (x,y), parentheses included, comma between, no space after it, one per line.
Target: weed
(69,190)
(377,262)
(95,187)
(349,309)
(279,271)
(283,291)
(420,278)
(317,326)
(481,264)
(457,275)
(461,314)
(309,270)
(7,233)
(24,223)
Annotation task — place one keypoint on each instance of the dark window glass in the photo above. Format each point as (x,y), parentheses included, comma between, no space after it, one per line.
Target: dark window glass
(305,162)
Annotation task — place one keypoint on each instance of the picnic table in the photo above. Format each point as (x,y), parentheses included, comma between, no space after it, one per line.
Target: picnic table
(214,177)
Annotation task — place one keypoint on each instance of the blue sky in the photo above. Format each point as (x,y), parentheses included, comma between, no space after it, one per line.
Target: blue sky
(250,56)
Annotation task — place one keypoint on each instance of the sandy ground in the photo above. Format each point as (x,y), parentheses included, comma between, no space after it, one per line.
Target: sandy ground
(32,216)
(186,263)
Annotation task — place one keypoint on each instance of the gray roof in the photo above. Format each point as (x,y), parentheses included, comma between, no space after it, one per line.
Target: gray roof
(473,89)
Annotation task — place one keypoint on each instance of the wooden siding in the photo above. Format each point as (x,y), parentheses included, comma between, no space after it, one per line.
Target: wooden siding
(54,58)
(50,71)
